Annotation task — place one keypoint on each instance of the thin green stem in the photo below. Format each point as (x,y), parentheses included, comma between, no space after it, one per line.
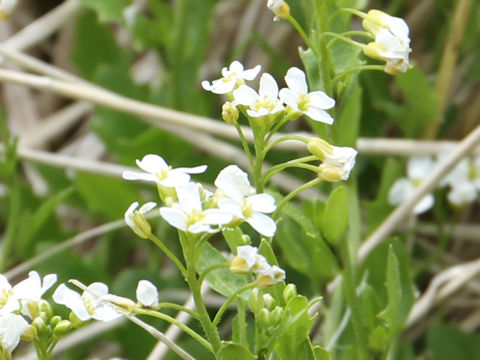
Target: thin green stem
(346,11)
(349,33)
(358,68)
(230,300)
(245,145)
(302,33)
(168,305)
(282,167)
(294,193)
(257,168)
(282,139)
(279,167)
(210,269)
(342,38)
(174,321)
(167,252)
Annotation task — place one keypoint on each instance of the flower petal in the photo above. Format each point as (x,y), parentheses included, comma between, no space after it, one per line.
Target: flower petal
(264,203)
(268,86)
(296,80)
(263,224)
(175,217)
(147,293)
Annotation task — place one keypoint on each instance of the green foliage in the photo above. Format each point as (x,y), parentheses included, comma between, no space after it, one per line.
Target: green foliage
(335,218)
(107,10)
(232,351)
(447,342)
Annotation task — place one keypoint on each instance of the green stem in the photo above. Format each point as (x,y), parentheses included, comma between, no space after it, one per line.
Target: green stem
(346,11)
(294,193)
(210,269)
(342,38)
(257,168)
(171,255)
(352,300)
(282,139)
(174,321)
(358,68)
(282,167)
(230,300)
(304,36)
(245,146)
(350,33)
(167,305)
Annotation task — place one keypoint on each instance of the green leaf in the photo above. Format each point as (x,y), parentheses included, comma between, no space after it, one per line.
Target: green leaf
(421,102)
(446,342)
(347,123)
(335,218)
(233,351)
(222,281)
(234,238)
(321,353)
(107,10)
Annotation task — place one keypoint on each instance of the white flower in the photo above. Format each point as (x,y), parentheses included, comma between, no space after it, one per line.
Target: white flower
(89,305)
(232,77)
(130,13)
(392,42)
(245,259)
(270,275)
(263,103)
(135,219)
(418,169)
(313,104)
(6,8)
(147,294)
(32,288)
(158,171)
(8,302)
(188,215)
(12,326)
(242,201)
(280,8)
(462,193)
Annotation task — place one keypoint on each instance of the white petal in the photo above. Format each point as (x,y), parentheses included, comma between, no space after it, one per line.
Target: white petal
(217,217)
(264,203)
(401,190)
(105,312)
(135,175)
(319,115)
(251,74)
(71,299)
(232,207)
(177,218)
(236,67)
(462,193)
(245,95)
(175,178)
(289,98)
(296,80)
(95,291)
(419,167)
(248,253)
(424,204)
(320,100)
(48,281)
(268,86)
(221,86)
(147,293)
(193,170)
(147,207)
(263,224)
(4,284)
(189,197)
(152,163)
(11,328)
(233,181)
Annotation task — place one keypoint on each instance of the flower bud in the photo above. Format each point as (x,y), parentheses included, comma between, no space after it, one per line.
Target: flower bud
(55,320)
(45,307)
(329,173)
(289,292)
(136,220)
(264,318)
(255,300)
(239,265)
(230,113)
(319,147)
(269,301)
(76,322)
(62,328)
(42,328)
(30,334)
(280,8)
(275,316)
(32,307)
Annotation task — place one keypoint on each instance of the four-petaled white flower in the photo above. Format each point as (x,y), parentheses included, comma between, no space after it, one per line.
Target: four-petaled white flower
(159,172)
(263,103)
(12,326)
(243,203)
(32,288)
(188,214)
(8,302)
(147,294)
(392,42)
(338,164)
(313,104)
(270,275)
(232,77)
(464,181)
(135,219)
(418,169)
(89,305)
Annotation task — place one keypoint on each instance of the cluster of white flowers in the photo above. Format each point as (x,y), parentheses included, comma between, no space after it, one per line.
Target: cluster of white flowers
(249,260)
(16,304)
(6,8)
(392,42)
(463,183)
(21,306)
(194,210)
(269,100)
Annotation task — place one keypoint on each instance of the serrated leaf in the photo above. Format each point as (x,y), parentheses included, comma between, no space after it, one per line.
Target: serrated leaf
(233,351)
(335,217)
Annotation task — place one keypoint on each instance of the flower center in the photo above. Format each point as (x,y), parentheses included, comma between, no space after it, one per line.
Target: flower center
(264,102)
(247,209)
(163,173)
(5,294)
(303,102)
(195,217)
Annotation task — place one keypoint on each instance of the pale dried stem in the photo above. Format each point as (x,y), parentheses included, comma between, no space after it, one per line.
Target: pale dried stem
(442,168)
